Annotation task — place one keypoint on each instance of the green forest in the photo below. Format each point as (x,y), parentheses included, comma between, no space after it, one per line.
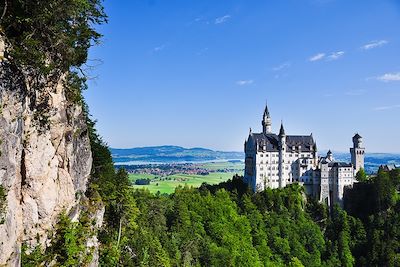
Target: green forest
(214,225)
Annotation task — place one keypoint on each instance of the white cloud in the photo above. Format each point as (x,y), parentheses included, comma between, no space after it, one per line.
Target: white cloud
(374,44)
(389,77)
(222,19)
(335,55)
(282,66)
(244,82)
(387,107)
(159,48)
(317,57)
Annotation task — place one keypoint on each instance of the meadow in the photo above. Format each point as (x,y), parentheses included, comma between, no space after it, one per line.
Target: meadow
(168,184)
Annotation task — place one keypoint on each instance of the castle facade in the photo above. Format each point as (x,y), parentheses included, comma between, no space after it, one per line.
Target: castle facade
(275,160)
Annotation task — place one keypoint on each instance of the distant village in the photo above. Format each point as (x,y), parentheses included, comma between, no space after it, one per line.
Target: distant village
(162,170)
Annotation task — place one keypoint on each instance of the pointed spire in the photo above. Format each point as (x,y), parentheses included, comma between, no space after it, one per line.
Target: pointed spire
(266,121)
(266,111)
(329,155)
(282,130)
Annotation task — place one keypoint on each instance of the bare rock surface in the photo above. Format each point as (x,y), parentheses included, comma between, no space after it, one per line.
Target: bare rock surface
(44,167)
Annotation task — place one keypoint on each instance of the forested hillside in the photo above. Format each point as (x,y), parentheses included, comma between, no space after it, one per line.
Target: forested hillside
(226,225)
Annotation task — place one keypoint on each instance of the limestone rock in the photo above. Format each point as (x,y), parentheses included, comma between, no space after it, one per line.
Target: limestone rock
(44,170)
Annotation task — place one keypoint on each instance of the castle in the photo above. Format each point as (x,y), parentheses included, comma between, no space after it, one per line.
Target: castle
(277,160)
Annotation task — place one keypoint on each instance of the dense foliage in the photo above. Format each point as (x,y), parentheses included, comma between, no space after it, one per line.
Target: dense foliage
(50,35)
(226,225)
(68,245)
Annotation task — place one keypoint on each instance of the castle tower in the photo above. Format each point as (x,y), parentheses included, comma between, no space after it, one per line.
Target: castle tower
(357,153)
(282,150)
(266,122)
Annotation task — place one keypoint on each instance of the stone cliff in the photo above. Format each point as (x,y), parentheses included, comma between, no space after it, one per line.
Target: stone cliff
(45,160)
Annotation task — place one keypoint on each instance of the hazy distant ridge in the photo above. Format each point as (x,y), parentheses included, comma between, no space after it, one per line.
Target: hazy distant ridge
(171,154)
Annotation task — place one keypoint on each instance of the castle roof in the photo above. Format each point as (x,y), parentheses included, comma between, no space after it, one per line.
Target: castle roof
(301,143)
(339,164)
(282,130)
(266,111)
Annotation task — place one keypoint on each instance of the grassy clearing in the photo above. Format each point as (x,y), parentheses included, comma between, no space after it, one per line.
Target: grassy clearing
(169,183)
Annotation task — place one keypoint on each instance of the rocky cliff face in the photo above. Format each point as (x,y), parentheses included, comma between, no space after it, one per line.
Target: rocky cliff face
(45,163)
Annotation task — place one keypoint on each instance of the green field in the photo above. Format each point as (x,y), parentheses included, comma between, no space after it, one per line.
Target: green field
(222,165)
(169,183)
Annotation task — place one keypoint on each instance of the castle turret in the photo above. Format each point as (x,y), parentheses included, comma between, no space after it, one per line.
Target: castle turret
(357,153)
(329,155)
(266,122)
(282,150)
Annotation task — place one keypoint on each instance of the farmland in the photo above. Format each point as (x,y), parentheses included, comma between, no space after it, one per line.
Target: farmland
(214,173)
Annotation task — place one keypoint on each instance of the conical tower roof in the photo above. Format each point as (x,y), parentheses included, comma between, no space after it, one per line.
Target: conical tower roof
(282,130)
(266,111)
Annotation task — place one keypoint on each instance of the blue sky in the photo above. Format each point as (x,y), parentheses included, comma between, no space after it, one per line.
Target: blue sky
(198,73)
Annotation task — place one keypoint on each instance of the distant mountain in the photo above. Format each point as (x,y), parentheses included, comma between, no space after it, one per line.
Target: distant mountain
(170,154)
